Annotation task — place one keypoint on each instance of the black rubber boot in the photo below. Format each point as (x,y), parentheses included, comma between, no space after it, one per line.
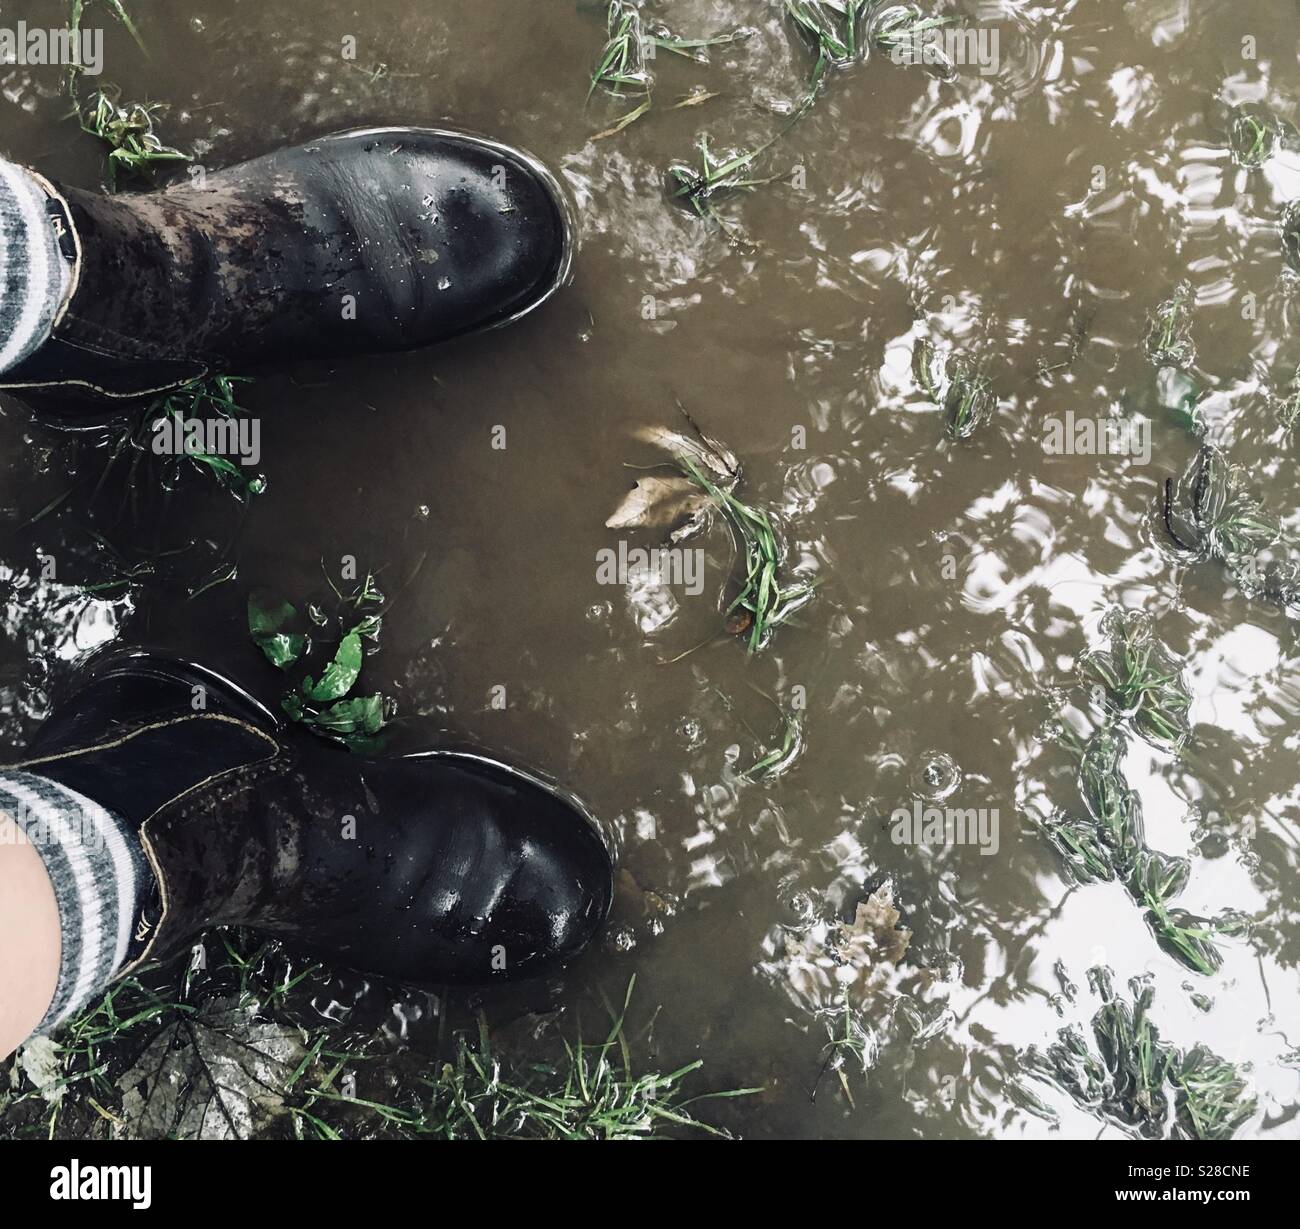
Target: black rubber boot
(428,869)
(362,242)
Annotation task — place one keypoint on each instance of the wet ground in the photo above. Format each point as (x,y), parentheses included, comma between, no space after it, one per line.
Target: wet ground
(1032,221)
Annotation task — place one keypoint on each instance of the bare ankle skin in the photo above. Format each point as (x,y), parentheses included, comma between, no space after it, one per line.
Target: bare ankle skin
(29,939)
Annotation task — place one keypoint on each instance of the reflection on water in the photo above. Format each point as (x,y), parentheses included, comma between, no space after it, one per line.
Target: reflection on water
(1037,225)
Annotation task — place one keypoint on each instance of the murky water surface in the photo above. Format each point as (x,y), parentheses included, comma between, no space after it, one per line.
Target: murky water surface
(1030,221)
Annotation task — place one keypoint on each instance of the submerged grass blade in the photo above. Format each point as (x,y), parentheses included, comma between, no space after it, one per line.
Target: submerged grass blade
(833,29)
(118,9)
(781,758)
(969,402)
(199,412)
(623,64)
(1168,339)
(628,118)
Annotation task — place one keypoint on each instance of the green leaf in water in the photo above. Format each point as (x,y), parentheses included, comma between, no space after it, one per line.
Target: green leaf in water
(361,715)
(321,705)
(268,621)
(340,675)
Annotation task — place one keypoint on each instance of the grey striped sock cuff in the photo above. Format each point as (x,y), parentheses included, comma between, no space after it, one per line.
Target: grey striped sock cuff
(34,276)
(97,866)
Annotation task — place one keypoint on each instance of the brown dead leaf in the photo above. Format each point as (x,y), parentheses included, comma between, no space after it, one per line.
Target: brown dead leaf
(715,460)
(874,936)
(847,960)
(659,503)
(695,99)
(632,899)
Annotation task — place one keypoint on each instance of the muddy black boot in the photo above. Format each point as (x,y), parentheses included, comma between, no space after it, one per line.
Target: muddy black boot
(428,869)
(363,242)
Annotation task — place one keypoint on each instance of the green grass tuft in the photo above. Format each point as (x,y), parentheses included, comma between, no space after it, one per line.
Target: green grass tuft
(959,387)
(1109,844)
(764,602)
(834,29)
(700,188)
(969,402)
(1229,525)
(622,67)
(1130,1076)
(203,399)
(135,149)
(1213,1101)
(1143,681)
(594,1092)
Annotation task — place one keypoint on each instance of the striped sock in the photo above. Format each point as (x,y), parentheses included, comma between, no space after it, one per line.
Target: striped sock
(34,275)
(101,883)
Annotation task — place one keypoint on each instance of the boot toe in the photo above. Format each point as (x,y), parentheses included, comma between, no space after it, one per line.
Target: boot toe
(500,236)
(510,877)
(559,899)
